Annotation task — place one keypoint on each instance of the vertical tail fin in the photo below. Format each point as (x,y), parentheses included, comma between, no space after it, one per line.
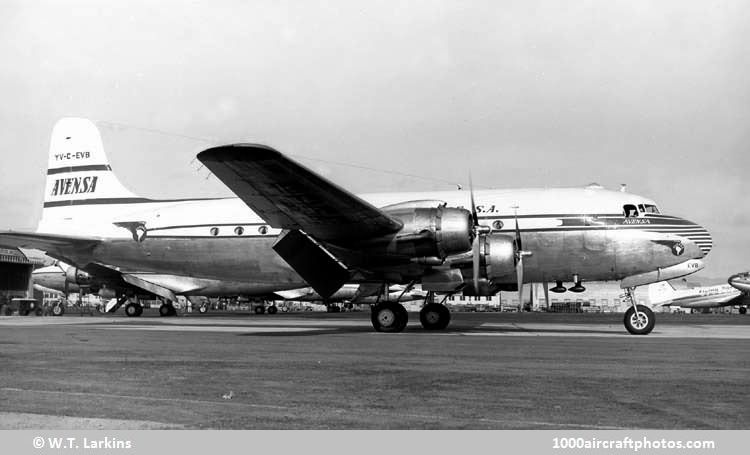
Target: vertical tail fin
(661,292)
(80,180)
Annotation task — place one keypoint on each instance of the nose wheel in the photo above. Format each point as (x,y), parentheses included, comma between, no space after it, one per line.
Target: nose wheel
(640,323)
(639,319)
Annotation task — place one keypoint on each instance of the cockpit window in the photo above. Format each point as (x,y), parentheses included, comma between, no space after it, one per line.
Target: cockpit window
(629,210)
(650,208)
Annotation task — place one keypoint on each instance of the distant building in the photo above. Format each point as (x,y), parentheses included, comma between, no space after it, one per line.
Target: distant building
(15,274)
(599,297)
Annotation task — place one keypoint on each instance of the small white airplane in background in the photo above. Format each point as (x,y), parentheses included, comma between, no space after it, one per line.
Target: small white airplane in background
(664,294)
(741,281)
(290,228)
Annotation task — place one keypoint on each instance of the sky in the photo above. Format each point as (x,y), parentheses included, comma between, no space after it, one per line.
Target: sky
(655,95)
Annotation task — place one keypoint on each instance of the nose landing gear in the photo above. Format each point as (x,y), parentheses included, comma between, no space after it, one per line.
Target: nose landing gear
(639,319)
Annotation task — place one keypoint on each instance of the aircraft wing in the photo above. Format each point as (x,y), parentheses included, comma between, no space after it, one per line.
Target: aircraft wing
(290,196)
(45,242)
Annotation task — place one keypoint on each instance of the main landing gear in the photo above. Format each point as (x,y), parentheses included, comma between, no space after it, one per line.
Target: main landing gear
(133,310)
(392,317)
(167,309)
(434,316)
(639,319)
(389,317)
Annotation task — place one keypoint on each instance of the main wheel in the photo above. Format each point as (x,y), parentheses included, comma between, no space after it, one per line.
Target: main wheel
(133,310)
(434,316)
(167,309)
(272,309)
(743,310)
(389,317)
(58,310)
(641,323)
(260,309)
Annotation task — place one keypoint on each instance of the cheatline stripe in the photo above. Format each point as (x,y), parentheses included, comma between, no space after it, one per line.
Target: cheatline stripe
(88,167)
(122,200)
(187,226)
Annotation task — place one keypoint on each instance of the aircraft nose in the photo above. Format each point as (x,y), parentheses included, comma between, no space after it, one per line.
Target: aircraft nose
(741,281)
(700,236)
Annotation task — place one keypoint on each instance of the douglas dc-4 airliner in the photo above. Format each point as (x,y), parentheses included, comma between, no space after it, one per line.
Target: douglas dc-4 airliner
(290,227)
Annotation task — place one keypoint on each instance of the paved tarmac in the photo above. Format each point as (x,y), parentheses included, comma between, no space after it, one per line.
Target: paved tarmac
(313,370)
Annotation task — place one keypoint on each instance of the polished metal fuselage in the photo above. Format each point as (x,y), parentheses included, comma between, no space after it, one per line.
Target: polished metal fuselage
(223,243)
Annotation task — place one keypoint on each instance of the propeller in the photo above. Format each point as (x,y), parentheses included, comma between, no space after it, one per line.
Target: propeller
(478,230)
(520,253)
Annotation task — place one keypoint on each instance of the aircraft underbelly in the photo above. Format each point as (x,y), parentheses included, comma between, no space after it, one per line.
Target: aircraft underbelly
(231,259)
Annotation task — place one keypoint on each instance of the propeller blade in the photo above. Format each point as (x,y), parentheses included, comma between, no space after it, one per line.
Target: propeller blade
(519,277)
(475,263)
(474,216)
(546,293)
(518,233)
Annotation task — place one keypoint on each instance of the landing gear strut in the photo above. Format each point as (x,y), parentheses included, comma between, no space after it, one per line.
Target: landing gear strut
(639,319)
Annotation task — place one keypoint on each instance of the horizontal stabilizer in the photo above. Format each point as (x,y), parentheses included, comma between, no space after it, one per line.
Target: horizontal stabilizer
(293,294)
(47,242)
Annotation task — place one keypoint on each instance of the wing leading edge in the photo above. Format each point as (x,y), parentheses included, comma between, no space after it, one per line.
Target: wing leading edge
(288,195)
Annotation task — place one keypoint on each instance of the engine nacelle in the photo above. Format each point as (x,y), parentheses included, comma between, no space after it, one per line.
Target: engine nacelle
(497,256)
(432,232)
(77,276)
(497,260)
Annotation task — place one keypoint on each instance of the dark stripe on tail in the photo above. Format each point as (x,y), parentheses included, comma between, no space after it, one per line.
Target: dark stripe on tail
(88,167)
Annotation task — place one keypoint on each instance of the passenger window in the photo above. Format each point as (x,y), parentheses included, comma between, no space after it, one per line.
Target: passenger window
(629,210)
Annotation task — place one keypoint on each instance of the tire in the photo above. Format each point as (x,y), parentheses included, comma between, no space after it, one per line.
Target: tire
(434,316)
(743,310)
(260,309)
(166,310)
(203,309)
(132,310)
(58,310)
(642,326)
(272,309)
(389,317)
(39,311)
